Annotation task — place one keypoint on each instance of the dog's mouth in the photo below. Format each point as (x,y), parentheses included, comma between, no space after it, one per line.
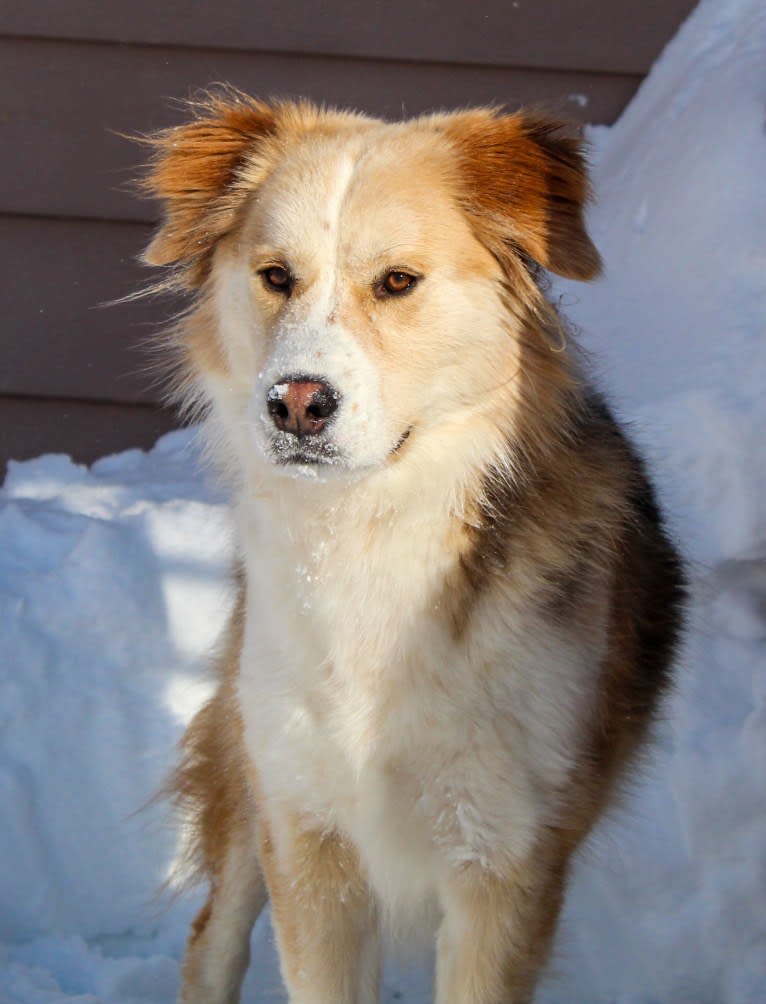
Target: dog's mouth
(290,451)
(400,442)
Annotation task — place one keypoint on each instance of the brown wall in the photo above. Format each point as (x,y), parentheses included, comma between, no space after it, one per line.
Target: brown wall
(75,75)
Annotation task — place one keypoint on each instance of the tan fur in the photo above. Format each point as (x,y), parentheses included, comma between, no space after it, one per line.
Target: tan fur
(456,622)
(210,786)
(522,169)
(324,915)
(214,801)
(499,929)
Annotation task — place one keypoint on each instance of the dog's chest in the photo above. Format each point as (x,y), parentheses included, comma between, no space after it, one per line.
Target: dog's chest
(364,714)
(415,779)
(341,642)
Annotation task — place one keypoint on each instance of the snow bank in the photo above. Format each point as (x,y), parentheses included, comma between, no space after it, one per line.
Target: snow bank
(678,324)
(113,586)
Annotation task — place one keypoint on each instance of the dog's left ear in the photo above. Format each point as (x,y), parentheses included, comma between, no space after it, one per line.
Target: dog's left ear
(525,183)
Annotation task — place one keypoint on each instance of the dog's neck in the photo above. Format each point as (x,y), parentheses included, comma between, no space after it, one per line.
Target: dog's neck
(436,477)
(364,560)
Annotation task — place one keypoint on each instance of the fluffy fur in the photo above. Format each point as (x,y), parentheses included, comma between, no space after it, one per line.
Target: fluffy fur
(458,606)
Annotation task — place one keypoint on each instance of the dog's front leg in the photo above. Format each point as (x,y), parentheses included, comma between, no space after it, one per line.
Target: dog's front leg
(218,951)
(324,916)
(496,933)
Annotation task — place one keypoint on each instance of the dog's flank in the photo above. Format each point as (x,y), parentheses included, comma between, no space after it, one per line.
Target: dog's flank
(458,605)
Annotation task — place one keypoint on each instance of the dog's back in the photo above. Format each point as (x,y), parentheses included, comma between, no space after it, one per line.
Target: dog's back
(458,605)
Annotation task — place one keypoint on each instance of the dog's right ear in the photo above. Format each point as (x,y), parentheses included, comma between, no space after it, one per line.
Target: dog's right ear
(193,171)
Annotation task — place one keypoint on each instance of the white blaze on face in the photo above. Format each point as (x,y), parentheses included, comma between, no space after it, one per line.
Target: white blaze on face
(309,340)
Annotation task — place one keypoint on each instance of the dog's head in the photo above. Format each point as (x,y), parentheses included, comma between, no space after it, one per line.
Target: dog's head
(361,284)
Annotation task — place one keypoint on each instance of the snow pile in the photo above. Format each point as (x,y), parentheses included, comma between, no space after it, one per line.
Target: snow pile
(113,585)
(678,324)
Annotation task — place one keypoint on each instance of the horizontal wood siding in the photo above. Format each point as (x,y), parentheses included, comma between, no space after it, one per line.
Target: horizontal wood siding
(611,36)
(66,104)
(57,339)
(76,75)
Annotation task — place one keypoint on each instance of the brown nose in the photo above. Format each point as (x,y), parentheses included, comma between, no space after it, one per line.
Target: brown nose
(301,407)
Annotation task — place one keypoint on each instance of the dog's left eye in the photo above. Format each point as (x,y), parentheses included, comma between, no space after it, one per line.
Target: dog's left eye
(396,283)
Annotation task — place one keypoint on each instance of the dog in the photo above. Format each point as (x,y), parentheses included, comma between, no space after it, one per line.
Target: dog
(458,606)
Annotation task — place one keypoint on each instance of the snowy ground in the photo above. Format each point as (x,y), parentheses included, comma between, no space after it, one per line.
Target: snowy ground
(113,586)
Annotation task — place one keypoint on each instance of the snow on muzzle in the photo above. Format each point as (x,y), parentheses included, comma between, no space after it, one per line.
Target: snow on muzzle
(318,401)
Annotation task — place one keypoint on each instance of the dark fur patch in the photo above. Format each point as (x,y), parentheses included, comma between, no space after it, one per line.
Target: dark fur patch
(647,618)
(579,519)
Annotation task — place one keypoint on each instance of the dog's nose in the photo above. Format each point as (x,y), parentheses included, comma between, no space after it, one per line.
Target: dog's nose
(301,407)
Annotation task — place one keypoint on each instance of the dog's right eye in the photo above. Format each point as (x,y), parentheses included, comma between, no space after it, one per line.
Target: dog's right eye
(278,278)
